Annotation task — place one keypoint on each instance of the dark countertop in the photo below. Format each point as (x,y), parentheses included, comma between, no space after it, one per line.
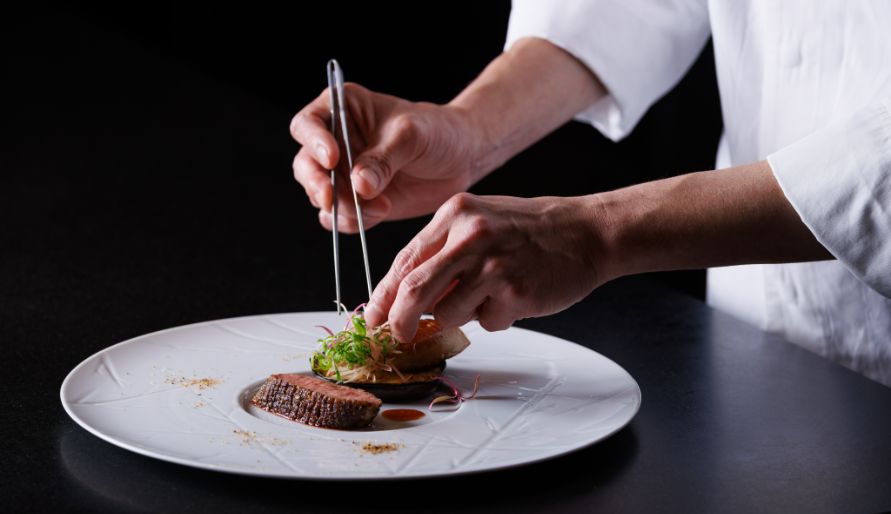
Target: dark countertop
(158,197)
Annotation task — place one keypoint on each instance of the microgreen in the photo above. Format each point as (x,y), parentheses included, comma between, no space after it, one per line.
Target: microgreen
(354,353)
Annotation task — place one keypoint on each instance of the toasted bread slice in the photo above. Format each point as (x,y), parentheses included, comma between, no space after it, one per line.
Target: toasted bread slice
(430,347)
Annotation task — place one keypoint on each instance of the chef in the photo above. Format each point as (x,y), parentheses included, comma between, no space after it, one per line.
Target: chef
(794,222)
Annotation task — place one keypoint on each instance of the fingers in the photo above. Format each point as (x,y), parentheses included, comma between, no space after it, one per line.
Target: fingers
(422,247)
(320,153)
(459,244)
(418,289)
(508,299)
(462,303)
(431,241)
(483,294)
(373,212)
(495,315)
(314,179)
(398,143)
(311,128)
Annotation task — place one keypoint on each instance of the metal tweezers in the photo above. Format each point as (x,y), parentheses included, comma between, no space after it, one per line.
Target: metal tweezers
(338,114)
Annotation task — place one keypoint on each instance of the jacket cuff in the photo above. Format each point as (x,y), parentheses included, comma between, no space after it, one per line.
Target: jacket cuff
(838,179)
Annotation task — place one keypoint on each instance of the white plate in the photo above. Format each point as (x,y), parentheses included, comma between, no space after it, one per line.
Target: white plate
(183,395)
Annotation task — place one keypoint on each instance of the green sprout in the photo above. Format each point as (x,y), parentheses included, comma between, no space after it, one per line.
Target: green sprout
(351,348)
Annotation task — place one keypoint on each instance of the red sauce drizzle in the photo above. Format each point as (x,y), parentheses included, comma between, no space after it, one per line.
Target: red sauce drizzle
(402,414)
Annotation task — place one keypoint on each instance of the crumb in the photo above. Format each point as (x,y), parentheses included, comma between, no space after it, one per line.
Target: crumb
(199,404)
(378,448)
(248,437)
(199,383)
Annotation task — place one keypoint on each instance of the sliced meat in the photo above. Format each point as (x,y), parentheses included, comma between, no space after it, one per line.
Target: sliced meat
(315,402)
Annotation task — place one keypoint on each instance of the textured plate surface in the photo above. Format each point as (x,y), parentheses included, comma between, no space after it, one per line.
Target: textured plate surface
(182,395)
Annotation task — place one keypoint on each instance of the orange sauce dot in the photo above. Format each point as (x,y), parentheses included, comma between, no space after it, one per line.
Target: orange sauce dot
(402,414)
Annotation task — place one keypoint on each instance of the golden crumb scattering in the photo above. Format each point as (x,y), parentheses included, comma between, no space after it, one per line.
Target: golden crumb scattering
(378,448)
(248,437)
(198,383)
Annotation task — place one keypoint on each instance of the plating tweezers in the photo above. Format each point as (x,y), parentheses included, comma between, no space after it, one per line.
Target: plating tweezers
(339,118)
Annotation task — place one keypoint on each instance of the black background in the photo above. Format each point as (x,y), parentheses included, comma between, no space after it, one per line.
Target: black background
(278,52)
(129,150)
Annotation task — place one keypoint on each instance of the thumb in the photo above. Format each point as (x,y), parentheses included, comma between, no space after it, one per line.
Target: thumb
(376,167)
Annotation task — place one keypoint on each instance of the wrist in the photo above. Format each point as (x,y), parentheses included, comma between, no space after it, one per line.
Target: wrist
(479,148)
(614,220)
(595,219)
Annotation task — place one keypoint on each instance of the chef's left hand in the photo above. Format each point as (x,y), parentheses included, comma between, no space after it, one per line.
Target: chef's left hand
(494,258)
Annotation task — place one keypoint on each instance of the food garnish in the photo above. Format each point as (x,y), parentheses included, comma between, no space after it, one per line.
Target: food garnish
(355,354)
(454,400)
(373,360)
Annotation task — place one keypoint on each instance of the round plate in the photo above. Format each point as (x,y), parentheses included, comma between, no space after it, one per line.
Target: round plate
(183,395)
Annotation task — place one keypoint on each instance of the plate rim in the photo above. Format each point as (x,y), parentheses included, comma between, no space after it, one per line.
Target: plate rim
(636,394)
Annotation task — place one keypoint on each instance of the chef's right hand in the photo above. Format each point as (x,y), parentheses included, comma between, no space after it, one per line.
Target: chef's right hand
(409,157)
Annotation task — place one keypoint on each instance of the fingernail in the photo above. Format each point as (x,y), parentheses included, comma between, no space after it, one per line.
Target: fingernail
(322,153)
(371,177)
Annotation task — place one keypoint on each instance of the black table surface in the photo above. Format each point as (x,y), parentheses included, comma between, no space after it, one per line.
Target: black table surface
(158,196)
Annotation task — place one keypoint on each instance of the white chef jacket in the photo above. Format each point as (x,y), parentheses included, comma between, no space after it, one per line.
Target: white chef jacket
(805,84)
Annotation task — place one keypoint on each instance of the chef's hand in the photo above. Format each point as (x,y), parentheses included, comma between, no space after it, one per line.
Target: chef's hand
(500,259)
(409,157)
(493,258)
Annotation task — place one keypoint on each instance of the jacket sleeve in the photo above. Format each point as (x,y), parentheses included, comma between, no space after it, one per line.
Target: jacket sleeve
(639,49)
(838,179)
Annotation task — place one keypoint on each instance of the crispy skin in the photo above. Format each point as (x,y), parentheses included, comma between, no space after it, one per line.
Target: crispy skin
(430,347)
(316,402)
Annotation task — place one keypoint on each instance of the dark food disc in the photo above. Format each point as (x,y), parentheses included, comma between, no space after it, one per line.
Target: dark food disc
(399,393)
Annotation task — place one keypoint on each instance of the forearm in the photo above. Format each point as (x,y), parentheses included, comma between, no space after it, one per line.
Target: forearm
(715,218)
(499,259)
(523,95)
